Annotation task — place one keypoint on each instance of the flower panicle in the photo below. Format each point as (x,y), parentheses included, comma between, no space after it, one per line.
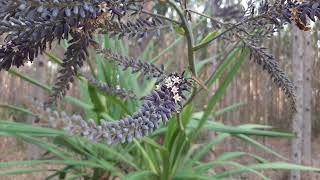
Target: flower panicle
(148,70)
(32,26)
(53,9)
(75,56)
(269,64)
(157,108)
(105,88)
(139,28)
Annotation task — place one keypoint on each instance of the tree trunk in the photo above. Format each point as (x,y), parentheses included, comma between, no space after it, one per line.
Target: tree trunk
(302,62)
(307,102)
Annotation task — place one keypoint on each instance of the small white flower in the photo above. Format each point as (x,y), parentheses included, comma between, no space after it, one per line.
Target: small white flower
(158,87)
(168,80)
(174,89)
(169,84)
(176,80)
(177,98)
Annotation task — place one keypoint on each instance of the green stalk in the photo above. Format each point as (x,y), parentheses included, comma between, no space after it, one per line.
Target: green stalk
(16,108)
(200,46)
(190,39)
(189,35)
(30,80)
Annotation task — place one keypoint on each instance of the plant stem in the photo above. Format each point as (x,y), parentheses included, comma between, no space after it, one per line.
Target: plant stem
(206,16)
(189,35)
(190,39)
(180,122)
(226,31)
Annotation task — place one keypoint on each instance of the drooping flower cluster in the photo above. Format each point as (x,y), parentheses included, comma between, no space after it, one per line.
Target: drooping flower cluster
(149,70)
(157,107)
(31,26)
(261,21)
(269,64)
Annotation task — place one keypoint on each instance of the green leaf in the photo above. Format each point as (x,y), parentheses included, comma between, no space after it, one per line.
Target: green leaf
(95,99)
(267,166)
(54,58)
(43,144)
(232,155)
(37,162)
(205,40)
(187,114)
(221,90)
(259,145)
(223,67)
(170,47)
(227,109)
(241,130)
(14,128)
(16,108)
(188,175)
(179,29)
(205,149)
(177,155)
(213,164)
(154,144)
(140,175)
(200,64)
(77,176)
(79,103)
(119,155)
(30,80)
(23,171)
(146,156)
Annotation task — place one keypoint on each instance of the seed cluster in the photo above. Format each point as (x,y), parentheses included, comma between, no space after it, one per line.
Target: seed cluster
(157,107)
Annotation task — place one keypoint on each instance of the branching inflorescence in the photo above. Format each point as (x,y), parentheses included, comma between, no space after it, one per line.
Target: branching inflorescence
(32,25)
(148,70)
(262,22)
(157,107)
(269,64)
(292,11)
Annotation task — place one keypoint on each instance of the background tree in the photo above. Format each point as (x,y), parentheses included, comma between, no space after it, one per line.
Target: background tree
(303,58)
